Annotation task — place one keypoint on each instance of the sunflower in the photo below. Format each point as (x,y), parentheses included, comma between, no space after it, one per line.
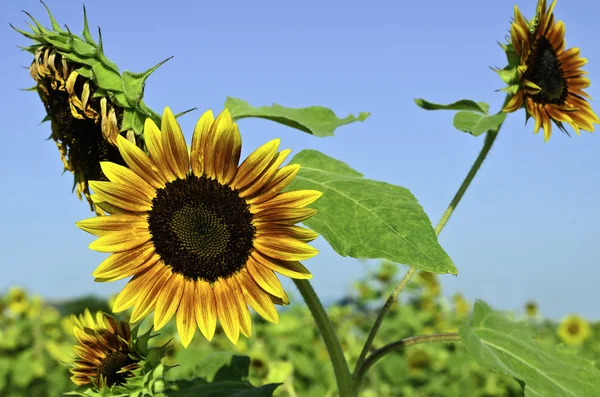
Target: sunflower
(531,308)
(87,100)
(200,235)
(574,330)
(550,81)
(104,350)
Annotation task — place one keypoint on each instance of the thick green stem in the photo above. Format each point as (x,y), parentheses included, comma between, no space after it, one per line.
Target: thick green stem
(413,340)
(336,354)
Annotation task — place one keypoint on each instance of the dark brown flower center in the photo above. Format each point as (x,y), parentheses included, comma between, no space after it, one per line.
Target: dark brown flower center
(201,228)
(111,365)
(573,328)
(544,69)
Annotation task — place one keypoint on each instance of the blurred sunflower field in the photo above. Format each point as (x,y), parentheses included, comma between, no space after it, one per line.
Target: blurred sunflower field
(36,338)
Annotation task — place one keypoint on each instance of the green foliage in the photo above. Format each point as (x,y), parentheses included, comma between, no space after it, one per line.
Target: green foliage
(472,117)
(364,218)
(315,120)
(504,345)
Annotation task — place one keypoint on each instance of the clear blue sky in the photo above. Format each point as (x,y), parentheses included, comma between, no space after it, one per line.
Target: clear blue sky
(527,229)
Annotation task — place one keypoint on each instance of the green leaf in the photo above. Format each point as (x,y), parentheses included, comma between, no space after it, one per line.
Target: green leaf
(476,124)
(315,120)
(463,104)
(196,388)
(363,218)
(503,345)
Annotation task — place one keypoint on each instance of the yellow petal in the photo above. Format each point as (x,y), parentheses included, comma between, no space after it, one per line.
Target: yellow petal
(255,164)
(121,241)
(211,141)
(292,231)
(283,177)
(174,145)
(283,215)
(292,269)
(147,299)
(285,248)
(152,137)
(293,199)
(261,182)
(102,225)
(132,289)
(258,299)
(125,264)
(244,314)
(122,196)
(227,310)
(227,146)
(198,142)
(168,301)
(264,276)
(186,318)
(206,309)
(123,175)
(140,163)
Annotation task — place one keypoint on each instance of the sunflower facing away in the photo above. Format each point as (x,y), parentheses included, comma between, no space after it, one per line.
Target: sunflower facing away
(200,235)
(574,330)
(550,79)
(105,355)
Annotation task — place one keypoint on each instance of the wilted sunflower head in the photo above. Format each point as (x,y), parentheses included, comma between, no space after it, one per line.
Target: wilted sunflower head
(104,349)
(201,235)
(544,77)
(574,330)
(87,100)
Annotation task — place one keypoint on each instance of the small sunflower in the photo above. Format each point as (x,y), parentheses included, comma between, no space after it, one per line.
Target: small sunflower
(461,306)
(200,234)
(549,80)
(574,330)
(104,350)
(531,308)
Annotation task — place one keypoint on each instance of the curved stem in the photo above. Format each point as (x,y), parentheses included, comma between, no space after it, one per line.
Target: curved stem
(336,354)
(413,340)
(359,369)
(382,313)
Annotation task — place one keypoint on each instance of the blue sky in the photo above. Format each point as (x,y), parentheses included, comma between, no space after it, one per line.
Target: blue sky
(527,228)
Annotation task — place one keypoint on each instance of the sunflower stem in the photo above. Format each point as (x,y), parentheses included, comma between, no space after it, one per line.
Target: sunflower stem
(336,354)
(364,363)
(400,344)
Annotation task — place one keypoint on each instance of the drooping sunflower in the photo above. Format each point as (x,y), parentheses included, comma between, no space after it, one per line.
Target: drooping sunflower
(574,330)
(201,235)
(87,100)
(106,356)
(549,80)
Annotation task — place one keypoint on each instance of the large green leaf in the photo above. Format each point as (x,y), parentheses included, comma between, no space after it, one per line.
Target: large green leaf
(463,104)
(363,218)
(503,345)
(315,120)
(476,124)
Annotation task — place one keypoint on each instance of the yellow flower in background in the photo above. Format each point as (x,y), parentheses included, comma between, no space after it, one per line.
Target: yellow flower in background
(430,282)
(17,300)
(201,235)
(531,308)
(551,82)
(461,306)
(104,351)
(574,330)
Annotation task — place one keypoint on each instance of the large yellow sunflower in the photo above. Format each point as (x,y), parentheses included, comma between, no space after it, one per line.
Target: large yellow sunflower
(105,356)
(551,82)
(200,235)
